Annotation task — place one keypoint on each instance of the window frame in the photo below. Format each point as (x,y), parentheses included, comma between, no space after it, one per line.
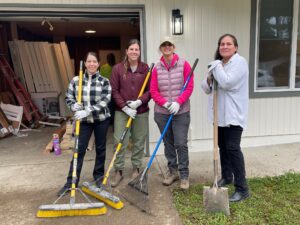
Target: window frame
(253,56)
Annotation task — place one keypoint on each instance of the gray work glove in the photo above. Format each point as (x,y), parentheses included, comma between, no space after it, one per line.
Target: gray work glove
(174,108)
(76,107)
(129,111)
(134,104)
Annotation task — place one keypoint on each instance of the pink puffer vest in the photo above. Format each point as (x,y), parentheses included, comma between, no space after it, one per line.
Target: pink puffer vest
(170,83)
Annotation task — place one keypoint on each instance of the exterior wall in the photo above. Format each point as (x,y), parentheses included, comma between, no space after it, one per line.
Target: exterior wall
(271,120)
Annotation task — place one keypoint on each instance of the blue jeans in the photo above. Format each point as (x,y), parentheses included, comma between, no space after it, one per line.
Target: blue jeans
(100,131)
(175,141)
(231,156)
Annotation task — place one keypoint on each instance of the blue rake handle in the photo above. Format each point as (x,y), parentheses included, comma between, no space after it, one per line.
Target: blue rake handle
(169,121)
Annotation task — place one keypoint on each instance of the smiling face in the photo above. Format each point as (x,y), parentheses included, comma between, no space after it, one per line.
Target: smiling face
(133,53)
(227,48)
(91,64)
(167,49)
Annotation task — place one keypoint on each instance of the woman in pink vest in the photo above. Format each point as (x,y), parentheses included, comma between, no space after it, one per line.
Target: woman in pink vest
(167,80)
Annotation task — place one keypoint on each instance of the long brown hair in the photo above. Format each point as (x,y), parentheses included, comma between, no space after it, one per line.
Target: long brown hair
(126,62)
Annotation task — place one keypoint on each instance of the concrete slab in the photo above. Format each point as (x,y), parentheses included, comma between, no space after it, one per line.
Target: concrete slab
(29,178)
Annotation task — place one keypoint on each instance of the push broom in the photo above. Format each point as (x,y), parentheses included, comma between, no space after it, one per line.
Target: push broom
(101,193)
(140,183)
(73,208)
(215,199)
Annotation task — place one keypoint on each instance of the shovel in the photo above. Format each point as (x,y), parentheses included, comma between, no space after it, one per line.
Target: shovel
(215,199)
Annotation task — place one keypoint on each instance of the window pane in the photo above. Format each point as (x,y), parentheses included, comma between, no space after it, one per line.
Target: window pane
(274,43)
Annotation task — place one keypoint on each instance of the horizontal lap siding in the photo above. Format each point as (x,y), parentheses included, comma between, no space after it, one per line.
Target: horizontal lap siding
(204,22)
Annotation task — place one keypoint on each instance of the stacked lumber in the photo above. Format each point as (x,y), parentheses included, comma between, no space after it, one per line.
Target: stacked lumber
(43,67)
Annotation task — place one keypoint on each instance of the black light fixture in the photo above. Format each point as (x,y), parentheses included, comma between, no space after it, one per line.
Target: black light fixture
(177,22)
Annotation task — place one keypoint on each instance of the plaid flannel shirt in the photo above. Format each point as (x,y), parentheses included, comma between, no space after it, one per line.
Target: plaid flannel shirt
(96,94)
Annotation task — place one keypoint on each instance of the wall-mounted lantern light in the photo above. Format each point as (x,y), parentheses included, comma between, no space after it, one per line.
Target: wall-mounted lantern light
(177,22)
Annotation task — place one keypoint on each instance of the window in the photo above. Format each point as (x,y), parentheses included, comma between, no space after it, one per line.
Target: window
(276,56)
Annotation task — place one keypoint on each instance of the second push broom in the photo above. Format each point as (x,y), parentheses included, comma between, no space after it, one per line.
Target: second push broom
(101,193)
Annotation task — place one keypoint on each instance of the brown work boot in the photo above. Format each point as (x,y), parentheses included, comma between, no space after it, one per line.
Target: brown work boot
(135,173)
(184,184)
(171,178)
(118,177)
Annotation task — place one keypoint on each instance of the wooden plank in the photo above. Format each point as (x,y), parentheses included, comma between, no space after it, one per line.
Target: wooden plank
(26,68)
(60,65)
(52,69)
(42,73)
(67,60)
(32,60)
(45,65)
(15,56)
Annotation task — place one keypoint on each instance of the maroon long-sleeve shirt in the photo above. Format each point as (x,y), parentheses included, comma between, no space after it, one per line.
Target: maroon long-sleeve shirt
(126,87)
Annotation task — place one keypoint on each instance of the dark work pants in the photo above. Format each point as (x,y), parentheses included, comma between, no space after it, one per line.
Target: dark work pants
(100,131)
(232,159)
(175,141)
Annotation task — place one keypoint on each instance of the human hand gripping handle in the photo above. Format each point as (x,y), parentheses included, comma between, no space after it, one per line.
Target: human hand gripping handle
(174,108)
(76,107)
(134,104)
(129,111)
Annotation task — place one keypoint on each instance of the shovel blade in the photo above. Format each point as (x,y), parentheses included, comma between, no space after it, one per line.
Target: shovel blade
(216,200)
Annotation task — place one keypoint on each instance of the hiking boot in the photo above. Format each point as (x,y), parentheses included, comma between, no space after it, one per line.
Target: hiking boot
(64,190)
(171,178)
(118,177)
(184,184)
(135,173)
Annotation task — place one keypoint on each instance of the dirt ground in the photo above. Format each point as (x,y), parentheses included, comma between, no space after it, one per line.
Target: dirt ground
(30,178)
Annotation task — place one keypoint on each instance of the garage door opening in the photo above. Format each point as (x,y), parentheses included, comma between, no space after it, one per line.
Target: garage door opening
(112,29)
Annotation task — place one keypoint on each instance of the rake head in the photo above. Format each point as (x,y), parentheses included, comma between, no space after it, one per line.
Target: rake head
(140,183)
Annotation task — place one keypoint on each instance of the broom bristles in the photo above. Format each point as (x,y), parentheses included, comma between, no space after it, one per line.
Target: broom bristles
(81,209)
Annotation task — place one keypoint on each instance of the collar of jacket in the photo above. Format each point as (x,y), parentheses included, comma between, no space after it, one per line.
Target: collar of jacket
(140,68)
(86,76)
(173,63)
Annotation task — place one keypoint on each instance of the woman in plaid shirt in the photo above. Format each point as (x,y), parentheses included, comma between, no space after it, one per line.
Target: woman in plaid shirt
(93,114)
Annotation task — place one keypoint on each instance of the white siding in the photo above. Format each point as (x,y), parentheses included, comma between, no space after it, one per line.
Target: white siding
(204,22)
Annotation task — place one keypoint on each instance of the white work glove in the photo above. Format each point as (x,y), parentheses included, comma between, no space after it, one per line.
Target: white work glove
(76,107)
(167,105)
(134,104)
(174,108)
(213,64)
(129,111)
(81,114)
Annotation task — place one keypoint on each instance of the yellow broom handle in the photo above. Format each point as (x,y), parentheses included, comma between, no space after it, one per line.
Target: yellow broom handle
(77,128)
(127,127)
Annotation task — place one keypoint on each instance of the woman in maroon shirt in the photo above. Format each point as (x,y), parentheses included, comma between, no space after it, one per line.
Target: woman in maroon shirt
(126,80)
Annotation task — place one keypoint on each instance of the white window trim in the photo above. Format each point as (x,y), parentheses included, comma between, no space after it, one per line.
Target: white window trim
(293,53)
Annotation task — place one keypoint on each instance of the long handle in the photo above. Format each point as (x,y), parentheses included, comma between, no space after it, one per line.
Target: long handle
(170,119)
(215,136)
(119,146)
(75,155)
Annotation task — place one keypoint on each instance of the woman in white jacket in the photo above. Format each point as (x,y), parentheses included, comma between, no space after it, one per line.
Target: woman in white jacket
(231,72)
